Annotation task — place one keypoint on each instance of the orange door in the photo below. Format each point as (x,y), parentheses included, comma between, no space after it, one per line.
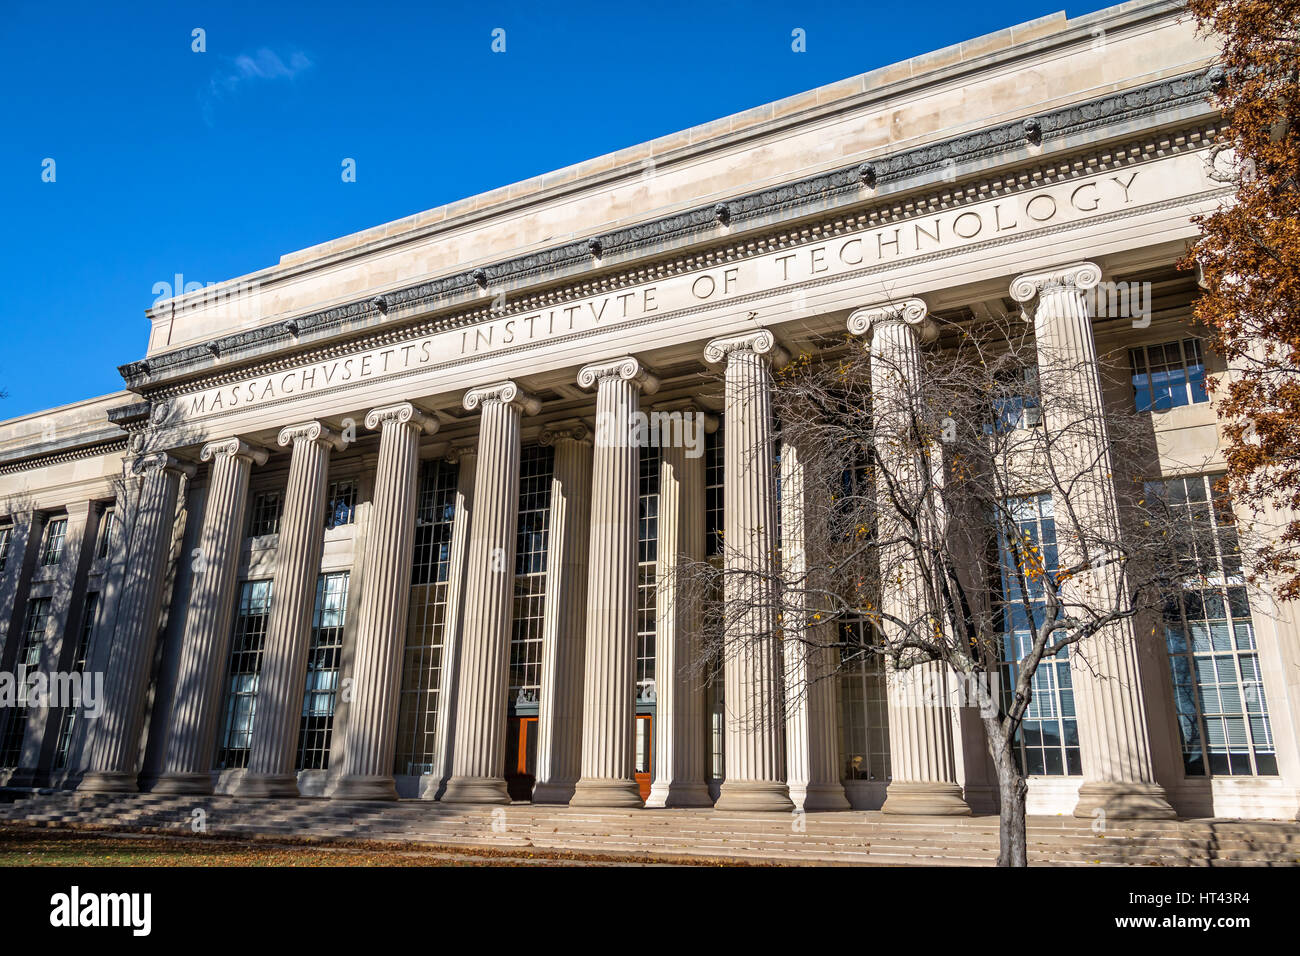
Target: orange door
(644,755)
(521,757)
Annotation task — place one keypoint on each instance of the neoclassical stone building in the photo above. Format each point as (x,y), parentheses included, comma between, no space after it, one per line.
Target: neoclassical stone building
(346,531)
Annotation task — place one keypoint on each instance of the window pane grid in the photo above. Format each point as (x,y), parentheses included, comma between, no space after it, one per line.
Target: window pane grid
(647,554)
(340,503)
(426,619)
(55,532)
(265,514)
(864,708)
(1168,375)
(69,719)
(104,536)
(1219,699)
(1048,739)
(27,660)
(242,674)
(537,467)
(316,732)
(713,513)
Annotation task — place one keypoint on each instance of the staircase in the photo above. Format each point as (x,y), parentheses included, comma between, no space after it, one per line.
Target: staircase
(851,837)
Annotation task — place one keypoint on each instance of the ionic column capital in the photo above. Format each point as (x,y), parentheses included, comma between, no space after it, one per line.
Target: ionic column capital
(161,461)
(761,342)
(912,312)
(507,393)
(234,448)
(1077,276)
(689,407)
(569,430)
(403,413)
(310,431)
(455,454)
(628,368)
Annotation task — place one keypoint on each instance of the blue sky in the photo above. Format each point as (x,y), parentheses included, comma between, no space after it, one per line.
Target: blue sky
(214,164)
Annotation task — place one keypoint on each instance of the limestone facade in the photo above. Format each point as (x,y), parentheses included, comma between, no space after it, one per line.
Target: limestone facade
(356,526)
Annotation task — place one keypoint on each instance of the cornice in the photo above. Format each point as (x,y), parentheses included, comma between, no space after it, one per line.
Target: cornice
(846,186)
(40,461)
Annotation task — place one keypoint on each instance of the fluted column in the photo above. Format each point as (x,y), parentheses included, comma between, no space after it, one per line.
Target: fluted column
(609,681)
(466,459)
(559,721)
(923,771)
(367,766)
(1113,737)
(206,644)
(753,672)
(478,761)
(811,679)
(115,756)
(274,747)
(679,759)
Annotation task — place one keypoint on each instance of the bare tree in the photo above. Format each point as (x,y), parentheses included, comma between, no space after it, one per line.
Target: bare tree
(956,520)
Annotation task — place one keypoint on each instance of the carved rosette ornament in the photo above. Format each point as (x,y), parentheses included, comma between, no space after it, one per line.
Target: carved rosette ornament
(761,343)
(310,431)
(233,448)
(912,313)
(403,413)
(1079,276)
(507,393)
(627,368)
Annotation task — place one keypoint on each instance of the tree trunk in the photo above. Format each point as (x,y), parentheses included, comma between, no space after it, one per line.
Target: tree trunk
(1012,790)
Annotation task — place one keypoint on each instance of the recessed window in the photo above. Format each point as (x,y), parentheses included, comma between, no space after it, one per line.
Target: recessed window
(1048,742)
(532,542)
(1015,401)
(69,719)
(265,514)
(647,575)
(340,504)
(714,457)
(245,667)
(6,535)
(426,621)
(864,705)
(1168,375)
(26,662)
(52,550)
(1223,721)
(107,527)
(316,732)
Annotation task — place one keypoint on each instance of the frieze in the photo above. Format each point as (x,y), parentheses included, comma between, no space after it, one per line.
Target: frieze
(837,256)
(813,191)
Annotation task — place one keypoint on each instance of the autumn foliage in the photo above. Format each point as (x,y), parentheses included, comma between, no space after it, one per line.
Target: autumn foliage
(1249,258)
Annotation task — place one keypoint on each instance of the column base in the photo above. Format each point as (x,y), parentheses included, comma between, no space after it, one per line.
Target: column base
(679,795)
(109,781)
(819,797)
(271,785)
(925,799)
(24,777)
(475,790)
(754,796)
(1124,801)
(357,787)
(606,792)
(195,783)
(553,791)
